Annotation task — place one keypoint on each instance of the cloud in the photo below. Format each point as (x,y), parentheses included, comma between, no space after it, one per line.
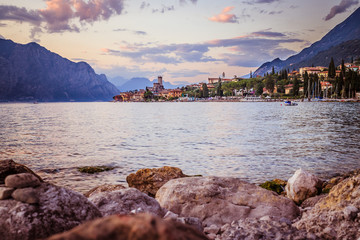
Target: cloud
(260,2)
(224,16)
(131,31)
(182,2)
(13,13)
(163,9)
(184,73)
(248,50)
(144,5)
(342,7)
(60,15)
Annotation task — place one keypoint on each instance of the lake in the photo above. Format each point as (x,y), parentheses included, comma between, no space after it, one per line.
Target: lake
(252,141)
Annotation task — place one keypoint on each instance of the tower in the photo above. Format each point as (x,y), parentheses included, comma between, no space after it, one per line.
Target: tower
(160,80)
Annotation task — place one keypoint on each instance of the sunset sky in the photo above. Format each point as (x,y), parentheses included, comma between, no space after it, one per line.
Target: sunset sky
(183,40)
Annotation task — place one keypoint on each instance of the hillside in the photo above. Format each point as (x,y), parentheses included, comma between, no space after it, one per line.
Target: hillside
(346,51)
(343,32)
(142,83)
(31,72)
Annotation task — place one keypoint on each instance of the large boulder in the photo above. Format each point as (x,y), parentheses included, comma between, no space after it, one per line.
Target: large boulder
(134,227)
(303,185)
(54,210)
(336,216)
(150,180)
(221,200)
(125,201)
(9,167)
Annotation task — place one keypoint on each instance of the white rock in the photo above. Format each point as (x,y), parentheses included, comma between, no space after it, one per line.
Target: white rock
(302,185)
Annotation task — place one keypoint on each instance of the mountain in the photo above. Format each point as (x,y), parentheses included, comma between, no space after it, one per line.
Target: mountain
(343,32)
(142,83)
(118,81)
(345,50)
(31,72)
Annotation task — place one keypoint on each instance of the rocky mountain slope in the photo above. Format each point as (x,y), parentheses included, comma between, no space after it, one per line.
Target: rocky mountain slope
(343,32)
(31,72)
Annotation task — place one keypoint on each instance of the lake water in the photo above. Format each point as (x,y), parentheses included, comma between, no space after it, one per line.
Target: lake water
(252,141)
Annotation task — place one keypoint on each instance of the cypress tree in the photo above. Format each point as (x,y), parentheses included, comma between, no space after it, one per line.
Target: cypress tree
(332,69)
(273,71)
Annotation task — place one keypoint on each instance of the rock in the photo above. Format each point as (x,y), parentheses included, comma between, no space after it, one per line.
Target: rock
(303,185)
(213,229)
(221,200)
(194,222)
(125,201)
(336,216)
(21,180)
(57,210)
(134,227)
(150,180)
(262,229)
(311,202)
(26,195)
(104,188)
(9,167)
(273,186)
(5,192)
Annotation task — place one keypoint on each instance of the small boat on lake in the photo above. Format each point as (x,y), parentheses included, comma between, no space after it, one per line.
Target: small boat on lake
(289,103)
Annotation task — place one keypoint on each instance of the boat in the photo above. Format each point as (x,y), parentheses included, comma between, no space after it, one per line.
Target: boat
(289,103)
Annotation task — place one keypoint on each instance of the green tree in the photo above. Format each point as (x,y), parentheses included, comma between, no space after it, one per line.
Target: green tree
(270,83)
(205,90)
(219,91)
(296,86)
(332,69)
(259,88)
(273,71)
(148,95)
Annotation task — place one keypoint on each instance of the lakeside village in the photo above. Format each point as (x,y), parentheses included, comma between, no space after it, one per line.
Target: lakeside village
(331,83)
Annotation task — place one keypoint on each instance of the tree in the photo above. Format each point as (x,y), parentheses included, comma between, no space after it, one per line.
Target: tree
(296,86)
(270,83)
(307,85)
(259,88)
(273,71)
(219,91)
(251,75)
(148,95)
(205,90)
(332,69)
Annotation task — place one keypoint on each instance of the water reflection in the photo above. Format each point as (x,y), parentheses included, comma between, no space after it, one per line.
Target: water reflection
(253,141)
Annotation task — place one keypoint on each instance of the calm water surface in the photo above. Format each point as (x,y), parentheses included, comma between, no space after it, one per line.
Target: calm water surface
(252,141)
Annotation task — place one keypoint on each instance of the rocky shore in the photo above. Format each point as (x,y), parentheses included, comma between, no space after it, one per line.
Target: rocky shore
(164,203)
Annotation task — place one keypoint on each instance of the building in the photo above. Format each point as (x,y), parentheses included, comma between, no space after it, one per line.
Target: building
(289,88)
(216,80)
(311,70)
(157,87)
(175,93)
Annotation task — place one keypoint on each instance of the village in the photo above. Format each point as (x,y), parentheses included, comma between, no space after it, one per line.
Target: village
(311,83)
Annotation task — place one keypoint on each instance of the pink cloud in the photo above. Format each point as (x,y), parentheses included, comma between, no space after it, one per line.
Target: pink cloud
(225,16)
(57,15)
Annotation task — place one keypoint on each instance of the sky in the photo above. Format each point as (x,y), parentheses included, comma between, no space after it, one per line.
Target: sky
(185,41)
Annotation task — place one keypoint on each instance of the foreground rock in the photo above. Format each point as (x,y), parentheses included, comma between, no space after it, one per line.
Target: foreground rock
(264,229)
(136,227)
(219,200)
(125,201)
(303,185)
(55,210)
(337,216)
(150,180)
(9,167)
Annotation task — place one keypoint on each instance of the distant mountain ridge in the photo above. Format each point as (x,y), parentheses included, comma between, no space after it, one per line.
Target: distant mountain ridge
(142,83)
(31,72)
(343,32)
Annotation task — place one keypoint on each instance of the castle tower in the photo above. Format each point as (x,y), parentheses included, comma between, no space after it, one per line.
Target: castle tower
(160,80)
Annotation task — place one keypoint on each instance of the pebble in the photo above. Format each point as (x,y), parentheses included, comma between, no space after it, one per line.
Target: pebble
(5,192)
(21,180)
(26,195)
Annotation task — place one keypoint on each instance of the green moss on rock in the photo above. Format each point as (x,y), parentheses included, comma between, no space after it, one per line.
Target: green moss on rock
(94,169)
(273,186)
